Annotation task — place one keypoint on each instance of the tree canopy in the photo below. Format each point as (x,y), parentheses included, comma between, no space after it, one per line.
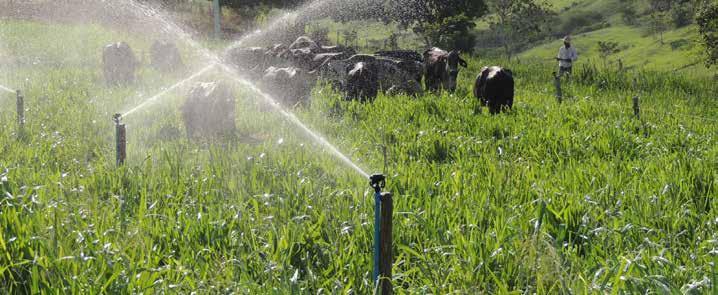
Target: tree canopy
(445,23)
(708,27)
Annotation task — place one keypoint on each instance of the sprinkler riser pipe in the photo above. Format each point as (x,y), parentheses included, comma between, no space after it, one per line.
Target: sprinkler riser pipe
(386,237)
(20,103)
(120,141)
(377,181)
(377,235)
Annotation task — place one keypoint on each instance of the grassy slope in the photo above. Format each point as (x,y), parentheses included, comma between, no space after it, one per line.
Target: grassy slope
(639,49)
(629,205)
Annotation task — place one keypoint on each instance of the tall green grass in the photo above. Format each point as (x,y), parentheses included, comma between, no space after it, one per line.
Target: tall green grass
(578,197)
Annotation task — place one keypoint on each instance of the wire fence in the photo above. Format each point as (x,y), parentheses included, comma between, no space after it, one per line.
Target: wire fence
(655,111)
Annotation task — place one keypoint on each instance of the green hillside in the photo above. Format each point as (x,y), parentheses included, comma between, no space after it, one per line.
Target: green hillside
(603,20)
(636,49)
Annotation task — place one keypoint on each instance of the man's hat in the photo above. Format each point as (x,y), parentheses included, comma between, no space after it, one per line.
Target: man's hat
(567,39)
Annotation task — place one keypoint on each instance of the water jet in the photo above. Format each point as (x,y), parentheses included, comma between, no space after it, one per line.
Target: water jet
(167,90)
(3,88)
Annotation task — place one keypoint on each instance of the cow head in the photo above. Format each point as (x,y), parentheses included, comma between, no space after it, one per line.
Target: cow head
(453,61)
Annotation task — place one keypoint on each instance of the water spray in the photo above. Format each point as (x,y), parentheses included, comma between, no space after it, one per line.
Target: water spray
(383,209)
(293,119)
(168,89)
(120,140)
(3,88)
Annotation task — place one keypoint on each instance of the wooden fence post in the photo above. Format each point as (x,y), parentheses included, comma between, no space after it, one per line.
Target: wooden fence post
(636,106)
(387,208)
(557,83)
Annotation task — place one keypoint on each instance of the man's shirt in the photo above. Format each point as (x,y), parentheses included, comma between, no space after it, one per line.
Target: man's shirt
(565,54)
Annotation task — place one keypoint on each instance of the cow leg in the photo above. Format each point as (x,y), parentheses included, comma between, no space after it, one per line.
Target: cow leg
(494,107)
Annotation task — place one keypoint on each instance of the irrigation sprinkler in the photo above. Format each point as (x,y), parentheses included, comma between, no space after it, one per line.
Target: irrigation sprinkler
(20,102)
(386,257)
(120,140)
(383,209)
(557,83)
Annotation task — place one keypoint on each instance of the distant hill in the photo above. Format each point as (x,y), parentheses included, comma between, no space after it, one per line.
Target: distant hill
(591,21)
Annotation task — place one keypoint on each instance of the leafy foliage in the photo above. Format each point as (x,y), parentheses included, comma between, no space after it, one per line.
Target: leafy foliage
(446,23)
(708,26)
(518,22)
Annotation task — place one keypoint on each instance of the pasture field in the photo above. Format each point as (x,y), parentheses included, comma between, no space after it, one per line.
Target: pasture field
(578,197)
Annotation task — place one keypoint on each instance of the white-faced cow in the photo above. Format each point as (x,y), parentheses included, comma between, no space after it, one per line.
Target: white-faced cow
(442,68)
(289,85)
(361,81)
(494,88)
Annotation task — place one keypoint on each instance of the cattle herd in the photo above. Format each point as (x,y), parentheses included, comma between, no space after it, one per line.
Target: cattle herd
(290,72)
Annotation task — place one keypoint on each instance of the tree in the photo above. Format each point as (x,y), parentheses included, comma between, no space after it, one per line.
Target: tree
(445,23)
(517,20)
(658,23)
(708,28)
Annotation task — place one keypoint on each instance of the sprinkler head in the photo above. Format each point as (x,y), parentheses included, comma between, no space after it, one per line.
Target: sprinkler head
(377,181)
(116,118)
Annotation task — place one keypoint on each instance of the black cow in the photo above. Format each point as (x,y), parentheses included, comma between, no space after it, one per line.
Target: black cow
(289,85)
(304,42)
(252,60)
(494,88)
(165,56)
(119,64)
(209,111)
(362,81)
(441,69)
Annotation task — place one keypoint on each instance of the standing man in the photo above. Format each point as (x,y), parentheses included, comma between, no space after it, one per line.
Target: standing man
(566,56)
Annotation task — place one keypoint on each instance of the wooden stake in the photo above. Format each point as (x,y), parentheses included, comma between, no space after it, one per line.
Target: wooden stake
(636,107)
(557,83)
